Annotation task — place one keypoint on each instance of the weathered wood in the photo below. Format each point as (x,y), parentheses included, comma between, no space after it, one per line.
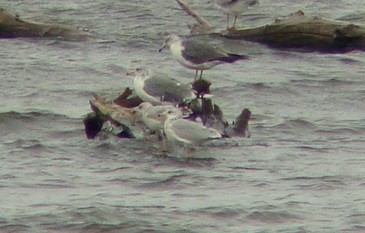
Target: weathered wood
(126,119)
(11,26)
(294,31)
(299,31)
(129,118)
(127,99)
(203,23)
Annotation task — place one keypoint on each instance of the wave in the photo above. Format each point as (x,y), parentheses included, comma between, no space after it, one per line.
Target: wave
(331,82)
(78,220)
(13,120)
(272,216)
(341,128)
(294,125)
(220,212)
(317,183)
(4,227)
(32,130)
(262,88)
(31,115)
(170,182)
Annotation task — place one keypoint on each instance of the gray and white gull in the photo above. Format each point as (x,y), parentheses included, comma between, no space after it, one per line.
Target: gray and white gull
(187,133)
(196,54)
(158,88)
(233,8)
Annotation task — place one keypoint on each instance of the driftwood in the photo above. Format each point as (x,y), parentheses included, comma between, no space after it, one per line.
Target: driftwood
(11,26)
(294,31)
(122,113)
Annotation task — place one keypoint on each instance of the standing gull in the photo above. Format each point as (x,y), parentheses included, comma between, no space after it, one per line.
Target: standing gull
(197,55)
(234,8)
(158,88)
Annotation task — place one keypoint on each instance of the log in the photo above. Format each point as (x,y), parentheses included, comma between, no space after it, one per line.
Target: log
(203,24)
(299,31)
(293,32)
(11,26)
(126,117)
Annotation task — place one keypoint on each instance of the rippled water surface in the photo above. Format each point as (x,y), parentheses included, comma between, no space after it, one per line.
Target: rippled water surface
(301,171)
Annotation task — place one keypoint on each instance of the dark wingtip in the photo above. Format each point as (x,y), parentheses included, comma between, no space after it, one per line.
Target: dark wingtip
(233,57)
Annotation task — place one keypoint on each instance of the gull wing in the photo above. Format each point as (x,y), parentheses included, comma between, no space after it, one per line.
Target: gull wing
(199,52)
(193,132)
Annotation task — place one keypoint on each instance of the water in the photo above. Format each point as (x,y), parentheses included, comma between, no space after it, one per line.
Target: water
(302,170)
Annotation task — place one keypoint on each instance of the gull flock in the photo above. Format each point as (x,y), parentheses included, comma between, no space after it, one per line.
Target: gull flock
(179,116)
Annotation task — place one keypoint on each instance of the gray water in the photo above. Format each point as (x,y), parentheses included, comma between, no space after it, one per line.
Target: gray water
(301,171)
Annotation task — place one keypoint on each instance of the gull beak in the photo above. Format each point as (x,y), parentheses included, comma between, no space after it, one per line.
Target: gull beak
(131,73)
(163,46)
(135,72)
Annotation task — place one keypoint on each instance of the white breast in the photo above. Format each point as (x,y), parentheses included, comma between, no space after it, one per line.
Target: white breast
(138,84)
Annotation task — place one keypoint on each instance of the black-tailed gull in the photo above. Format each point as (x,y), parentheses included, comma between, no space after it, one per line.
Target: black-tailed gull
(154,117)
(187,133)
(156,88)
(234,8)
(196,55)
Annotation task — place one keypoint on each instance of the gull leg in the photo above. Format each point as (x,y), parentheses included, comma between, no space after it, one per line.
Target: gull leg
(164,144)
(227,21)
(201,74)
(196,75)
(234,22)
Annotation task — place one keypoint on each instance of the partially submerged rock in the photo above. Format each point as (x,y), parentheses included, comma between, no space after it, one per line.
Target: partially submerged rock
(300,31)
(12,26)
(295,31)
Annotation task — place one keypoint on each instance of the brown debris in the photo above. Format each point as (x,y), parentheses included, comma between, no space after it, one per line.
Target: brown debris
(12,26)
(127,100)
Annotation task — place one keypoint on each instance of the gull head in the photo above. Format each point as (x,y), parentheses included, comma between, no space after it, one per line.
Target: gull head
(169,40)
(144,106)
(140,72)
(172,115)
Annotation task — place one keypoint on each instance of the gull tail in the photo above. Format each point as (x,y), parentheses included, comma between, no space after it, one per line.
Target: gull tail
(232,58)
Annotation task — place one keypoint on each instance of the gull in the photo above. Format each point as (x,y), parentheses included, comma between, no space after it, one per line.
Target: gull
(196,55)
(233,8)
(187,133)
(154,117)
(158,88)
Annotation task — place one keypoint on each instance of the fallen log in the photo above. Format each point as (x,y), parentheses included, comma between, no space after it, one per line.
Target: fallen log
(123,114)
(295,31)
(12,26)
